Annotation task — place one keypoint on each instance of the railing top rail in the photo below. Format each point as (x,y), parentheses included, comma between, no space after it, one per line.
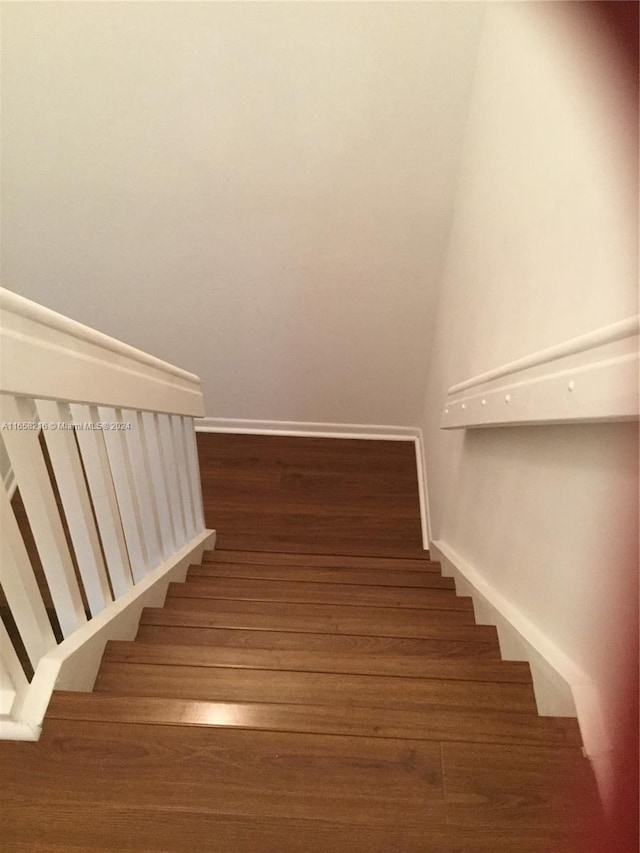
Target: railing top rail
(626,328)
(51,357)
(23,307)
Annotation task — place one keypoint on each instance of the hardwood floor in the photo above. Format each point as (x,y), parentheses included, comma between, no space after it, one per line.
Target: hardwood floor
(306,692)
(338,496)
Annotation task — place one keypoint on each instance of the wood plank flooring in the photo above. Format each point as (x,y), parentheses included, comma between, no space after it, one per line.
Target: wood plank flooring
(295,700)
(336,496)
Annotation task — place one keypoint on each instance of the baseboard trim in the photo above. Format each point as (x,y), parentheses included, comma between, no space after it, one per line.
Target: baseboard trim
(423,492)
(562,688)
(308,429)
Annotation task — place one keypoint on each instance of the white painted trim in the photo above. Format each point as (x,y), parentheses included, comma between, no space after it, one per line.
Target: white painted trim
(591,378)
(10,483)
(562,688)
(70,479)
(21,307)
(11,730)
(306,429)
(36,490)
(50,357)
(74,664)
(627,328)
(423,492)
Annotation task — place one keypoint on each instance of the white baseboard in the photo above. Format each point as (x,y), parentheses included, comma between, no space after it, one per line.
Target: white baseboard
(423,492)
(562,688)
(306,429)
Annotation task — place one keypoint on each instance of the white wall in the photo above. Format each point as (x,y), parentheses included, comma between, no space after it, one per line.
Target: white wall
(259,193)
(543,248)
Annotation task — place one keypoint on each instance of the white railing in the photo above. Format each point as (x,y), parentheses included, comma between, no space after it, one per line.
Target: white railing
(99,439)
(593,377)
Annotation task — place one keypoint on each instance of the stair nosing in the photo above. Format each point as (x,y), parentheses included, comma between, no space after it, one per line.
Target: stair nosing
(332,633)
(171,594)
(479,663)
(563,738)
(201,578)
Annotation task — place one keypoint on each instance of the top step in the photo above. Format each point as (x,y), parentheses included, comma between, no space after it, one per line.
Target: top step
(288,558)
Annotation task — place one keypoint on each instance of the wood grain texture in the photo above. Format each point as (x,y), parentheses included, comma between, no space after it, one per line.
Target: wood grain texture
(274,492)
(521,786)
(298,592)
(310,574)
(334,618)
(313,688)
(442,625)
(334,560)
(346,780)
(439,724)
(306,660)
(149,829)
(386,784)
(218,638)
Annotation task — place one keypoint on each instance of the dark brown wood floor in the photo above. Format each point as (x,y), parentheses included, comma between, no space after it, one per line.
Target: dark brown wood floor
(311,494)
(287,699)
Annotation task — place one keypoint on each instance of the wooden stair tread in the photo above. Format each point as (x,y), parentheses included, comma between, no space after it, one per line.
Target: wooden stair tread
(343,779)
(403,665)
(327,643)
(347,561)
(311,574)
(331,547)
(479,726)
(253,685)
(235,772)
(329,617)
(300,592)
(113,827)
(441,624)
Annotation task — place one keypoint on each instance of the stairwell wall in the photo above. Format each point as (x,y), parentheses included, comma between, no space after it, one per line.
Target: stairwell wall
(239,188)
(543,247)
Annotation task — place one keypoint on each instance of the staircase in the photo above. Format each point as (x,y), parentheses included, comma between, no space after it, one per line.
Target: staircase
(300,702)
(315,685)
(312,685)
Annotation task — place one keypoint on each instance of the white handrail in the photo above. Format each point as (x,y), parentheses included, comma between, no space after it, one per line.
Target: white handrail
(22,307)
(592,377)
(108,431)
(626,328)
(44,355)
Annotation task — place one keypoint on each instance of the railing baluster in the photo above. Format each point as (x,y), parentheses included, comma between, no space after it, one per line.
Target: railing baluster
(30,470)
(13,681)
(141,471)
(124,483)
(172,477)
(103,498)
(115,513)
(65,461)
(194,471)
(151,438)
(180,452)
(21,588)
